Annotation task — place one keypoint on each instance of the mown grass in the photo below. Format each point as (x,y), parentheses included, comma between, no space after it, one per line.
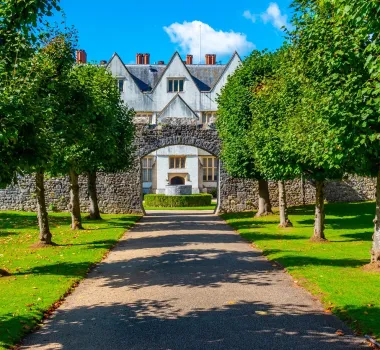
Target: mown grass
(332,271)
(41,277)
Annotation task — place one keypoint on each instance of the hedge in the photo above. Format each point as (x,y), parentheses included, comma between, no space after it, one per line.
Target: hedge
(193,200)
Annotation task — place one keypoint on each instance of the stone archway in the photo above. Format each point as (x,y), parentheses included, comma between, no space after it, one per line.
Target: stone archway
(149,139)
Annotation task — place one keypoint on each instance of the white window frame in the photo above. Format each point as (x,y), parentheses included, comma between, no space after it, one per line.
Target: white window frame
(208,170)
(120,86)
(173,82)
(179,162)
(147,169)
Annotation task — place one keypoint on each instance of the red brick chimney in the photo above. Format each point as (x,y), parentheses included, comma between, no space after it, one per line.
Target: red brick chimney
(189,59)
(139,58)
(81,56)
(146,58)
(210,59)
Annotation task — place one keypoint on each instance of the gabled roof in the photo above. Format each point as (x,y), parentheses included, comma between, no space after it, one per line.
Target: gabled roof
(177,107)
(147,77)
(226,68)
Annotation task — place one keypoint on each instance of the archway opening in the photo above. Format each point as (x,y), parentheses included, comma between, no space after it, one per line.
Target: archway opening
(180,165)
(177,180)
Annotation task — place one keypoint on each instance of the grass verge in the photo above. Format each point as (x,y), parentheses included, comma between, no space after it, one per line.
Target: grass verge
(41,277)
(332,271)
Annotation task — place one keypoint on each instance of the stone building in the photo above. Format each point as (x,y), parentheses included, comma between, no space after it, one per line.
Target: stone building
(177,93)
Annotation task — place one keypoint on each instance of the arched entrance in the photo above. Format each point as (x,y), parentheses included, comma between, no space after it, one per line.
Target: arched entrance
(149,139)
(177,180)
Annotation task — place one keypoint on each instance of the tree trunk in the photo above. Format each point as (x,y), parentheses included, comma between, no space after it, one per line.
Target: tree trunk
(375,251)
(284,220)
(76,220)
(265,208)
(91,184)
(43,220)
(319,218)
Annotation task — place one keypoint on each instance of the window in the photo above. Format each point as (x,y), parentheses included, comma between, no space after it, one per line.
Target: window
(144,118)
(210,168)
(177,162)
(208,117)
(147,164)
(175,85)
(120,84)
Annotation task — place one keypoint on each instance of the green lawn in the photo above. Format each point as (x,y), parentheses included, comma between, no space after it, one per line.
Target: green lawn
(41,277)
(332,271)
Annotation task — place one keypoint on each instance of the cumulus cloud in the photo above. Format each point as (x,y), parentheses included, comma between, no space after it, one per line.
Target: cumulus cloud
(274,16)
(271,15)
(248,15)
(186,35)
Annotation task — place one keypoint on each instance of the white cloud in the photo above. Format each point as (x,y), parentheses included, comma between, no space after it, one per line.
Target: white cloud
(274,16)
(186,35)
(248,15)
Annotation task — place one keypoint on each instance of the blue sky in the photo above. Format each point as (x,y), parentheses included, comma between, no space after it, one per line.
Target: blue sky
(162,27)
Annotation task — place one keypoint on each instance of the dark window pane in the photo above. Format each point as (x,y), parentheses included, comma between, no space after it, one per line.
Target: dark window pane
(181,85)
(121,85)
(170,87)
(171,163)
(209,177)
(175,85)
(183,161)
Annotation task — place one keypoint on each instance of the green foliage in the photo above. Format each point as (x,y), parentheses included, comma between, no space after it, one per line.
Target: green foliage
(41,277)
(161,200)
(235,118)
(355,295)
(95,129)
(338,43)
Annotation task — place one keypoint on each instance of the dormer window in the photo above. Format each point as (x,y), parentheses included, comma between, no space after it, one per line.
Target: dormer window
(176,85)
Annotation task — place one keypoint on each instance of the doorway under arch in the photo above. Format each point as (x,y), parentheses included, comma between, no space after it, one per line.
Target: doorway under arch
(177,180)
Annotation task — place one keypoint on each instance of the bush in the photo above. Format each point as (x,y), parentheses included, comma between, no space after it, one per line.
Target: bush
(193,200)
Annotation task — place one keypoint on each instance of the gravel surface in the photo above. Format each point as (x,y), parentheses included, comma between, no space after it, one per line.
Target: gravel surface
(186,280)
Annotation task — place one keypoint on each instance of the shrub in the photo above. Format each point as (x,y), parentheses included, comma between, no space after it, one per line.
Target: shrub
(193,200)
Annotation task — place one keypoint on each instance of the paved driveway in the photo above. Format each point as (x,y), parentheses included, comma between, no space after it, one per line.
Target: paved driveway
(186,280)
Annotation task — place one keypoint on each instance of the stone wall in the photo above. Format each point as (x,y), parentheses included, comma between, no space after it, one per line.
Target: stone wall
(117,193)
(122,192)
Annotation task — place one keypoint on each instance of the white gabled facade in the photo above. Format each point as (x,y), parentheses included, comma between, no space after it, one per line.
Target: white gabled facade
(179,92)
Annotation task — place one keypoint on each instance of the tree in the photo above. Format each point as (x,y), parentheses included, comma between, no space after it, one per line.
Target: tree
(274,98)
(235,120)
(22,28)
(338,42)
(108,146)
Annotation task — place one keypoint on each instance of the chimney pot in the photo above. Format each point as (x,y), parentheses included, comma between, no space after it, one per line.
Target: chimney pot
(189,59)
(103,62)
(146,58)
(139,58)
(81,56)
(161,62)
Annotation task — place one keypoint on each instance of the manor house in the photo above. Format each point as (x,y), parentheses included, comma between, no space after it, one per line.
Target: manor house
(179,92)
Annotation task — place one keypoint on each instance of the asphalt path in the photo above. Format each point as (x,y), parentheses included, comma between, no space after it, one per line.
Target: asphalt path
(186,280)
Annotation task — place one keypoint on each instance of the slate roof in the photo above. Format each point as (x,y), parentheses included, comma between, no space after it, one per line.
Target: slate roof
(146,76)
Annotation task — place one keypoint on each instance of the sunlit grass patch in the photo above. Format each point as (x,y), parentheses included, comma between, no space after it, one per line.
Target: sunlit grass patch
(40,277)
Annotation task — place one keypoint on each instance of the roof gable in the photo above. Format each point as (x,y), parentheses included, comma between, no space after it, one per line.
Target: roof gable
(175,68)
(177,108)
(232,64)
